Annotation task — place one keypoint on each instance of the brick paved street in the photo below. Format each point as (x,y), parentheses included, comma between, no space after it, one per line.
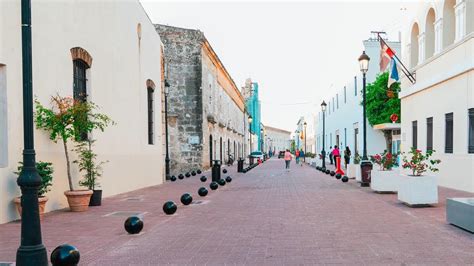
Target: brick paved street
(267,216)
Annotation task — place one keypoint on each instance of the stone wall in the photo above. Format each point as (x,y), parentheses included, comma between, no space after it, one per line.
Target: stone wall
(184,72)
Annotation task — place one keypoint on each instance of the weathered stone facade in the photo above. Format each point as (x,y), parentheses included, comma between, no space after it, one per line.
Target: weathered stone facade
(205,107)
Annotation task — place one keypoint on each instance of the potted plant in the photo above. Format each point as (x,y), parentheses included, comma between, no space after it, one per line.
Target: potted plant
(45,171)
(417,188)
(353,169)
(93,170)
(384,179)
(70,120)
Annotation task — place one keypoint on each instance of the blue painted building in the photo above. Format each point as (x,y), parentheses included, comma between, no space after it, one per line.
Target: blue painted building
(252,104)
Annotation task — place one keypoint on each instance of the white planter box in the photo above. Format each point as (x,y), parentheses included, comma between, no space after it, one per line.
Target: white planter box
(418,190)
(352,170)
(385,181)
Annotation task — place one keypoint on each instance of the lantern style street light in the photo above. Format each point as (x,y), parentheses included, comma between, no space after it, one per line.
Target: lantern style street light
(250,133)
(366,165)
(323,152)
(167,158)
(304,158)
(31,250)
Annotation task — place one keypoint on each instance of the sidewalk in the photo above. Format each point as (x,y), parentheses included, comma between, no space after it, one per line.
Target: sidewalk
(267,216)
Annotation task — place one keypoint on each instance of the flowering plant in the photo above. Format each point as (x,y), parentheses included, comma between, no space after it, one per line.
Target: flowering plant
(386,161)
(419,162)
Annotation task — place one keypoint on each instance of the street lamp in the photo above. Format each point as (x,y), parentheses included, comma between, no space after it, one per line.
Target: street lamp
(250,132)
(323,152)
(261,140)
(366,165)
(31,250)
(304,158)
(167,158)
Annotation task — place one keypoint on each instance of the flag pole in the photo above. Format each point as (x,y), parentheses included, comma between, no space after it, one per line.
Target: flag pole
(404,70)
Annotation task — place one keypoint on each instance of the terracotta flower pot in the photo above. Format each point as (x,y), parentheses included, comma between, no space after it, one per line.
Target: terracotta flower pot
(41,204)
(78,200)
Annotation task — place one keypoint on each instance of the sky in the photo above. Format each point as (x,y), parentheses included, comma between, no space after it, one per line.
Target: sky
(298,52)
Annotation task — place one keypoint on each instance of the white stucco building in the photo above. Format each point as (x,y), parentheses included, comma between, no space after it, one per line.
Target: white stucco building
(116,48)
(277,139)
(344,119)
(438,110)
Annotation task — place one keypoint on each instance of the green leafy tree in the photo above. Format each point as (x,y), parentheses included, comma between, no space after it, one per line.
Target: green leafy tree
(382,102)
(69,120)
(87,163)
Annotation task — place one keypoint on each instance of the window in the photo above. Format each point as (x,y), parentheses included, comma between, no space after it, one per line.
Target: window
(333,104)
(471,130)
(429,133)
(3,118)
(80,86)
(151,126)
(345,95)
(449,133)
(414,131)
(80,80)
(356,135)
(355,85)
(337,100)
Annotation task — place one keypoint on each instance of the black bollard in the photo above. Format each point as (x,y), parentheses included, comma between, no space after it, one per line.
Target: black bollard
(186,199)
(203,179)
(213,185)
(216,170)
(199,171)
(133,225)
(202,191)
(65,255)
(228,179)
(338,176)
(181,176)
(173,178)
(345,179)
(327,171)
(221,182)
(240,165)
(332,173)
(193,173)
(170,207)
(224,171)
(187,175)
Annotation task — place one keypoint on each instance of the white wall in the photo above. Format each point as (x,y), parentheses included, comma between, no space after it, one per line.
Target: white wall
(444,84)
(117,78)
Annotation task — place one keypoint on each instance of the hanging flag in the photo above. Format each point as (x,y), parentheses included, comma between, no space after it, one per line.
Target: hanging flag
(393,74)
(386,54)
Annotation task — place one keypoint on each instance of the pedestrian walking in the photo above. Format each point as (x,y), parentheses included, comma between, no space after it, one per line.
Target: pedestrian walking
(297,156)
(335,154)
(301,157)
(347,156)
(330,155)
(287,158)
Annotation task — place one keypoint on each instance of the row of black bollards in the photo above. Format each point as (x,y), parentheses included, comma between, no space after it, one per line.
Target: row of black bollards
(187,175)
(332,173)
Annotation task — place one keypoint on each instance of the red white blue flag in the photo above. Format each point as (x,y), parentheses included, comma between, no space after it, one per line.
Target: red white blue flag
(386,54)
(393,74)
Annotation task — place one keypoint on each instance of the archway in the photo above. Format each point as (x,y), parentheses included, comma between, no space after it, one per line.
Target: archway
(430,33)
(414,45)
(449,23)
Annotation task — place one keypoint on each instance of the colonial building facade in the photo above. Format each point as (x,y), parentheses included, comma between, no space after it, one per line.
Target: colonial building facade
(277,139)
(113,56)
(343,116)
(438,109)
(206,115)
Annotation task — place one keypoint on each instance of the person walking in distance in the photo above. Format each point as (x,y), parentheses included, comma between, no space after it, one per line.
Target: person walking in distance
(347,156)
(335,153)
(297,156)
(301,157)
(330,155)
(287,158)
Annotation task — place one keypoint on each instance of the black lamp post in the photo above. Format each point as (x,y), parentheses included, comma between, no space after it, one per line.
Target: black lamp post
(366,165)
(323,152)
(31,250)
(261,140)
(250,133)
(304,158)
(167,158)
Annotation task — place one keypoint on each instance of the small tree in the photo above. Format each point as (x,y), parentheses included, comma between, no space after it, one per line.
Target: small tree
(382,102)
(68,120)
(87,163)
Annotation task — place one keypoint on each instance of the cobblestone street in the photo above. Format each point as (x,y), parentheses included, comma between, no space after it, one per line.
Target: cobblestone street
(267,216)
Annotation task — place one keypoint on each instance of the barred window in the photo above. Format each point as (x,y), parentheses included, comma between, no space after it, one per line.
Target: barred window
(429,133)
(449,136)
